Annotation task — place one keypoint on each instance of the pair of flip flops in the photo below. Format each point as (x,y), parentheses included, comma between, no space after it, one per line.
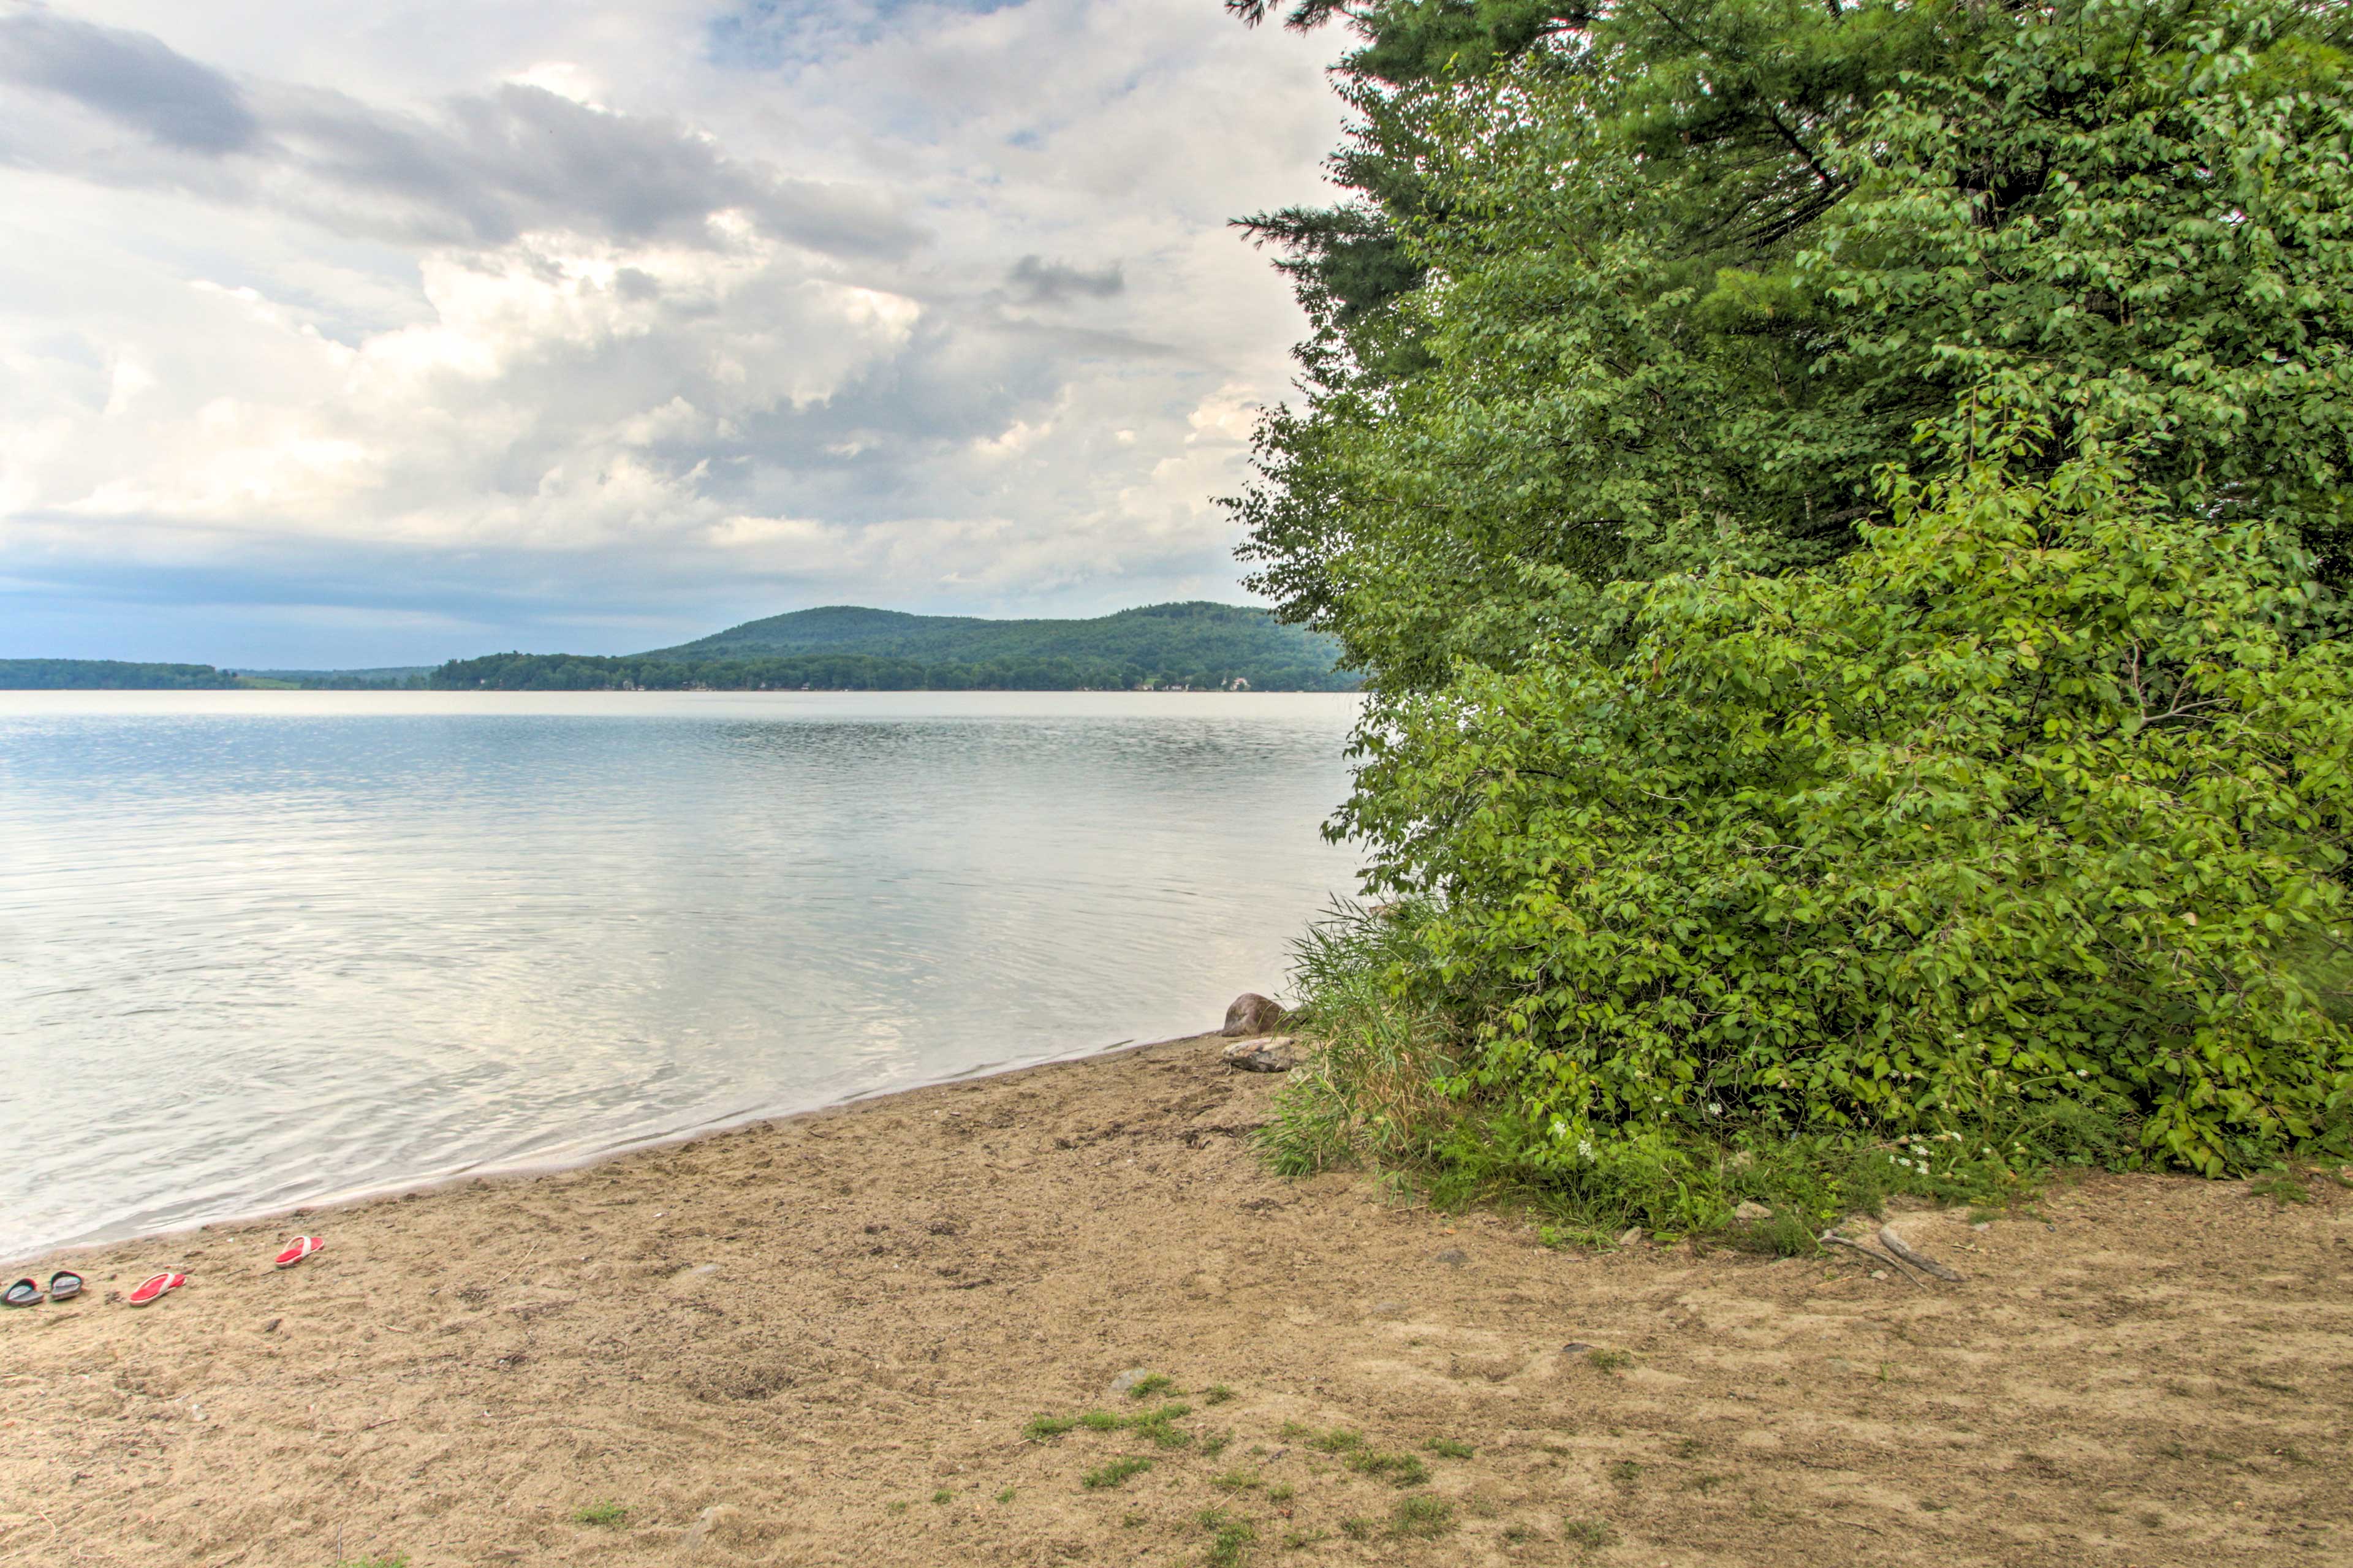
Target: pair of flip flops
(64,1286)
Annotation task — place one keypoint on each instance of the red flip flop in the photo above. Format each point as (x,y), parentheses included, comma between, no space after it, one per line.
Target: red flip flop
(153,1290)
(301,1248)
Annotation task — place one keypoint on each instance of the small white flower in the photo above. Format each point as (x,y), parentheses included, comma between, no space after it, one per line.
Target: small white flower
(1585,1148)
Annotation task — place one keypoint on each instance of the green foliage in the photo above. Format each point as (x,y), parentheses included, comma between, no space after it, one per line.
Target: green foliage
(603,1515)
(2028,802)
(1145,1387)
(1679,272)
(1042,1428)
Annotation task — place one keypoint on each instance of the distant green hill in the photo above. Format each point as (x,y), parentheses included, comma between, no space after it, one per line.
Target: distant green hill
(107,675)
(1198,646)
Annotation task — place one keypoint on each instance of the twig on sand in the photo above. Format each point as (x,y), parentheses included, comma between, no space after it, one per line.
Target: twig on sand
(1832,1238)
(1897,1247)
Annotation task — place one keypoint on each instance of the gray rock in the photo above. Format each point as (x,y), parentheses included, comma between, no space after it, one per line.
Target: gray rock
(1455,1257)
(1129,1378)
(1252,1014)
(1629,1237)
(1750,1212)
(1388,1310)
(1277,1053)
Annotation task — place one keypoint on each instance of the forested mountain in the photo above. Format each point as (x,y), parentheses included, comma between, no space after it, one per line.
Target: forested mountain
(843,646)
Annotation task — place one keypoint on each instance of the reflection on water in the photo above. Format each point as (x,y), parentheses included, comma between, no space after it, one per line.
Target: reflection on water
(262,948)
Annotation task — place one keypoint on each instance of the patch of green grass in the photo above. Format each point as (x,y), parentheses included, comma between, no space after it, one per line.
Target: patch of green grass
(1356,1527)
(899,1506)
(604,1515)
(1589,1533)
(1398,1470)
(1102,1421)
(1625,1472)
(1145,1388)
(1132,1522)
(1301,1540)
(1216,1394)
(943,1495)
(2280,1187)
(1423,1518)
(1338,1441)
(1448,1448)
(1282,1491)
(1609,1360)
(1294,1431)
(1156,1427)
(1042,1428)
(1239,1481)
(1230,1537)
(1214,1444)
(1005,1496)
(1116,1473)
(397,1559)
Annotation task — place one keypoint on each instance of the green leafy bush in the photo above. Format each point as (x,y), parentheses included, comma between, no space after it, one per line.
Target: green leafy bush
(2035,801)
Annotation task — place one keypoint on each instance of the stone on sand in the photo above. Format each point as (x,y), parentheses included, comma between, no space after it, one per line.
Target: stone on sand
(1252,1014)
(1276,1053)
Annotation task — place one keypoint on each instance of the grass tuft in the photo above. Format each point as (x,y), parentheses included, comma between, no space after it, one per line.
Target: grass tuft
(1042,1428)
(1230,1537)
(1398,1470)
(1116,1473)
(1448,1448)
(1145,1388)
(1423,1518)
(603,1515)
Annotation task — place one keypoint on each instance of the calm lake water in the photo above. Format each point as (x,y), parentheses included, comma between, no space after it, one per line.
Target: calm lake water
(259,949)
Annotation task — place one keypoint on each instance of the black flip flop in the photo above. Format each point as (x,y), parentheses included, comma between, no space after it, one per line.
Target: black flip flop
(25,1292)
(64,1284)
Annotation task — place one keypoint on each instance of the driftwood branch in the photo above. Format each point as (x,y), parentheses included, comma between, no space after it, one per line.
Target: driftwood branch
(1832,1238)
(1897,1247)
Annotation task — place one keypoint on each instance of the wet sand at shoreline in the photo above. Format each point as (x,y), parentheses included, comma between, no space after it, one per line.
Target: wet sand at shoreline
(819,1341)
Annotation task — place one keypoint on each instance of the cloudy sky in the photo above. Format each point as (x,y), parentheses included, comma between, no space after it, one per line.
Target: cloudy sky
(400,329)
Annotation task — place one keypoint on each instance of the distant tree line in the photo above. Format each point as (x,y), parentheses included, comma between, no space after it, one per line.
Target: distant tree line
(108,675)
(863,672)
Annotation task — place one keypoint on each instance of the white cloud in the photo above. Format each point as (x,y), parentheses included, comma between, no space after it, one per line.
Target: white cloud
(496,319)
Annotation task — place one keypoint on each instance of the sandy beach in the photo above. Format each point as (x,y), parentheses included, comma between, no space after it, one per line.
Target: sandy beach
(820,1340)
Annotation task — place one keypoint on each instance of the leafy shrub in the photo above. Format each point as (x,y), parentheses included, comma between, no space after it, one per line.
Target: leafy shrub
(2030,812)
